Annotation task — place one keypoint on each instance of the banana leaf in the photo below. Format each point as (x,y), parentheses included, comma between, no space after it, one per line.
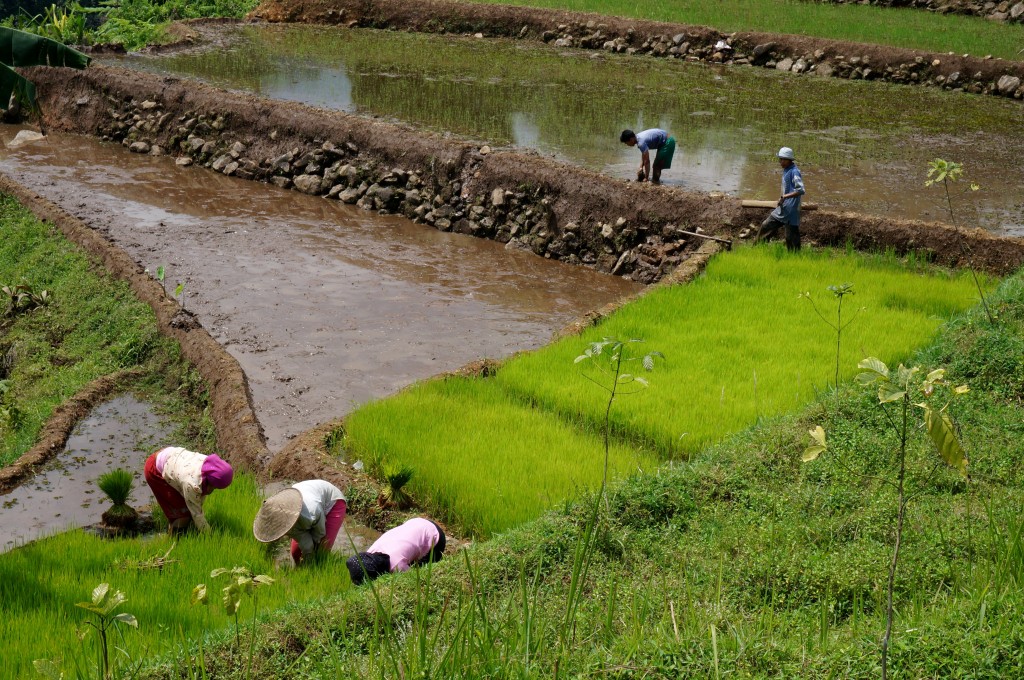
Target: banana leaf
(18,48)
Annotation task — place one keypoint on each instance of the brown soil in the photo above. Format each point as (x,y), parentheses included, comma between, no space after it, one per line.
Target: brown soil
(522,22)
(239,434)
(57,429)
(82,101)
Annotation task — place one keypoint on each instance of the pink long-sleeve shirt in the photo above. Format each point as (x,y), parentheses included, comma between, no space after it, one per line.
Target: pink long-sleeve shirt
(407,543)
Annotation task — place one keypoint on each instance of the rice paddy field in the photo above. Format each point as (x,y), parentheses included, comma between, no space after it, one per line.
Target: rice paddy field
(913,28)
(740,345)
(41,582)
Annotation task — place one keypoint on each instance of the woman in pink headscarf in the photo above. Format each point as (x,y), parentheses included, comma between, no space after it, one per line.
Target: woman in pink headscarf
(180,479)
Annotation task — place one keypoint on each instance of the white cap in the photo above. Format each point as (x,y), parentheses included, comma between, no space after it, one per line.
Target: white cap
(786,152)
(722,45)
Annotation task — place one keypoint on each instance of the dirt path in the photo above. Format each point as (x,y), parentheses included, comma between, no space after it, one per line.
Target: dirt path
(323,305)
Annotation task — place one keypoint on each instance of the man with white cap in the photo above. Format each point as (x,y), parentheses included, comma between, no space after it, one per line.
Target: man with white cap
(787,212)
(310,512)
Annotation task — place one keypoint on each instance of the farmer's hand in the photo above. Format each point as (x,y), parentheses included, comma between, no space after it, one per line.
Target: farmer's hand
(640,176)
(782,199)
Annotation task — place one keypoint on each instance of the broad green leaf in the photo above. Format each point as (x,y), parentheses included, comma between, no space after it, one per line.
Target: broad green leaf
(888,392)
(100,592)
(626,377)
(263,580)
(815,450)
(199,594)
(961,389)
(582,357)
(867,378)
(17,49)
(812,453)
(904,375)
(48,669)
(936,375)
(177,291)
(218,572)
(160,273)
(127,619)
(875,365)
(648,363)
(113,602)
(642,381)
(943,435)
(89,606)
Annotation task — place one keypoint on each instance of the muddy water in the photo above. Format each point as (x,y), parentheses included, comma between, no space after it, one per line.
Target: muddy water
(324,305)
(862,146)
(119,433)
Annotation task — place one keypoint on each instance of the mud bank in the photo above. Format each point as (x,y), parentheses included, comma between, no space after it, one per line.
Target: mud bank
(239,435)
(552,209)
(797,54)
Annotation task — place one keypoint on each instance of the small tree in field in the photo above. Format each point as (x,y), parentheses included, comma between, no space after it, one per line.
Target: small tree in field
(946,172)
(899,393)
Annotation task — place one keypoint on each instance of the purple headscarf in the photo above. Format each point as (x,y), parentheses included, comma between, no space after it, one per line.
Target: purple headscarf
(216,473)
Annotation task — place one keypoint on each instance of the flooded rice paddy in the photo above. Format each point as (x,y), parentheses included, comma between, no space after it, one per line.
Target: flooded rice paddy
(863,146)
(324,305)
(119,433)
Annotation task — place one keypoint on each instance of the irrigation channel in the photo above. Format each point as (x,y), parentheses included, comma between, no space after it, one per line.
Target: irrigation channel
(324,305)
(863,146)
(119,433)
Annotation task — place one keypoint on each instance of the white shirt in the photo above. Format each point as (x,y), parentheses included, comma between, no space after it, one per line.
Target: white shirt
(318,497)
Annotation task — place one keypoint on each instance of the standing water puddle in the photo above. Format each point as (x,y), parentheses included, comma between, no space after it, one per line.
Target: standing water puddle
(862,146)
(119,433)
(324,305)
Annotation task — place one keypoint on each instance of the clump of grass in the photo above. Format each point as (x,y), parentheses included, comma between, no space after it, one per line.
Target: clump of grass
(117,486)
(395,479)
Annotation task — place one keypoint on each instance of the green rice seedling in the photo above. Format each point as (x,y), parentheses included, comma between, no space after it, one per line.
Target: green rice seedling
(482,458)
(747,353)
(395,479)
(117,486)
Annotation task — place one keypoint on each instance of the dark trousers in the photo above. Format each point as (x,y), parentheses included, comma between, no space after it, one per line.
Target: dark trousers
(772,224)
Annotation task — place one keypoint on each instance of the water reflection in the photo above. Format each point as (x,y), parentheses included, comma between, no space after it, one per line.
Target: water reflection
(862,146)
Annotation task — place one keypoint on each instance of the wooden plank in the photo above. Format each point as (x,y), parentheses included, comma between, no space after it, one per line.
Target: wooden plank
(749,203)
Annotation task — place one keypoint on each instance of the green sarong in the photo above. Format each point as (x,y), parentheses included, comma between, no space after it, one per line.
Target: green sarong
(664,158)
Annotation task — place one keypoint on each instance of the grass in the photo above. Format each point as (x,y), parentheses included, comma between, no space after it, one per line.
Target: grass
(906,28)
(93,326)
(741,562)
(479,456)
(39,586)
(741,346)
(491,453)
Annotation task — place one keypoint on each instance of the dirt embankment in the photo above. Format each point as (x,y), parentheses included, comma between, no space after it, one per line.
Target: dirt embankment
(58,428)
(239,434)
(797,54)
(554,209)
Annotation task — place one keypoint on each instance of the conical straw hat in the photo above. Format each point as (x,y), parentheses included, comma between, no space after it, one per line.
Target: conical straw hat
(277,515)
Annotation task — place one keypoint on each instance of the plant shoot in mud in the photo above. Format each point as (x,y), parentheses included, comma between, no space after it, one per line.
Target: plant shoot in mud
(102,607)
(840,291)
(898,392)
(242,581)
(396,476)
(117,486)
(160,274)
(179,292)
(946,172)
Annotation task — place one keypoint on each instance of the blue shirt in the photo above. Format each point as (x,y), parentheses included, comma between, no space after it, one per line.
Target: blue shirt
(650,139)
(789,211)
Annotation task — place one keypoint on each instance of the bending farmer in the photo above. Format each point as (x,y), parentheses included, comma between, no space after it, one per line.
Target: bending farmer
(180,479)
(310,512)
(645,141)
(787,212)
(415,542)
